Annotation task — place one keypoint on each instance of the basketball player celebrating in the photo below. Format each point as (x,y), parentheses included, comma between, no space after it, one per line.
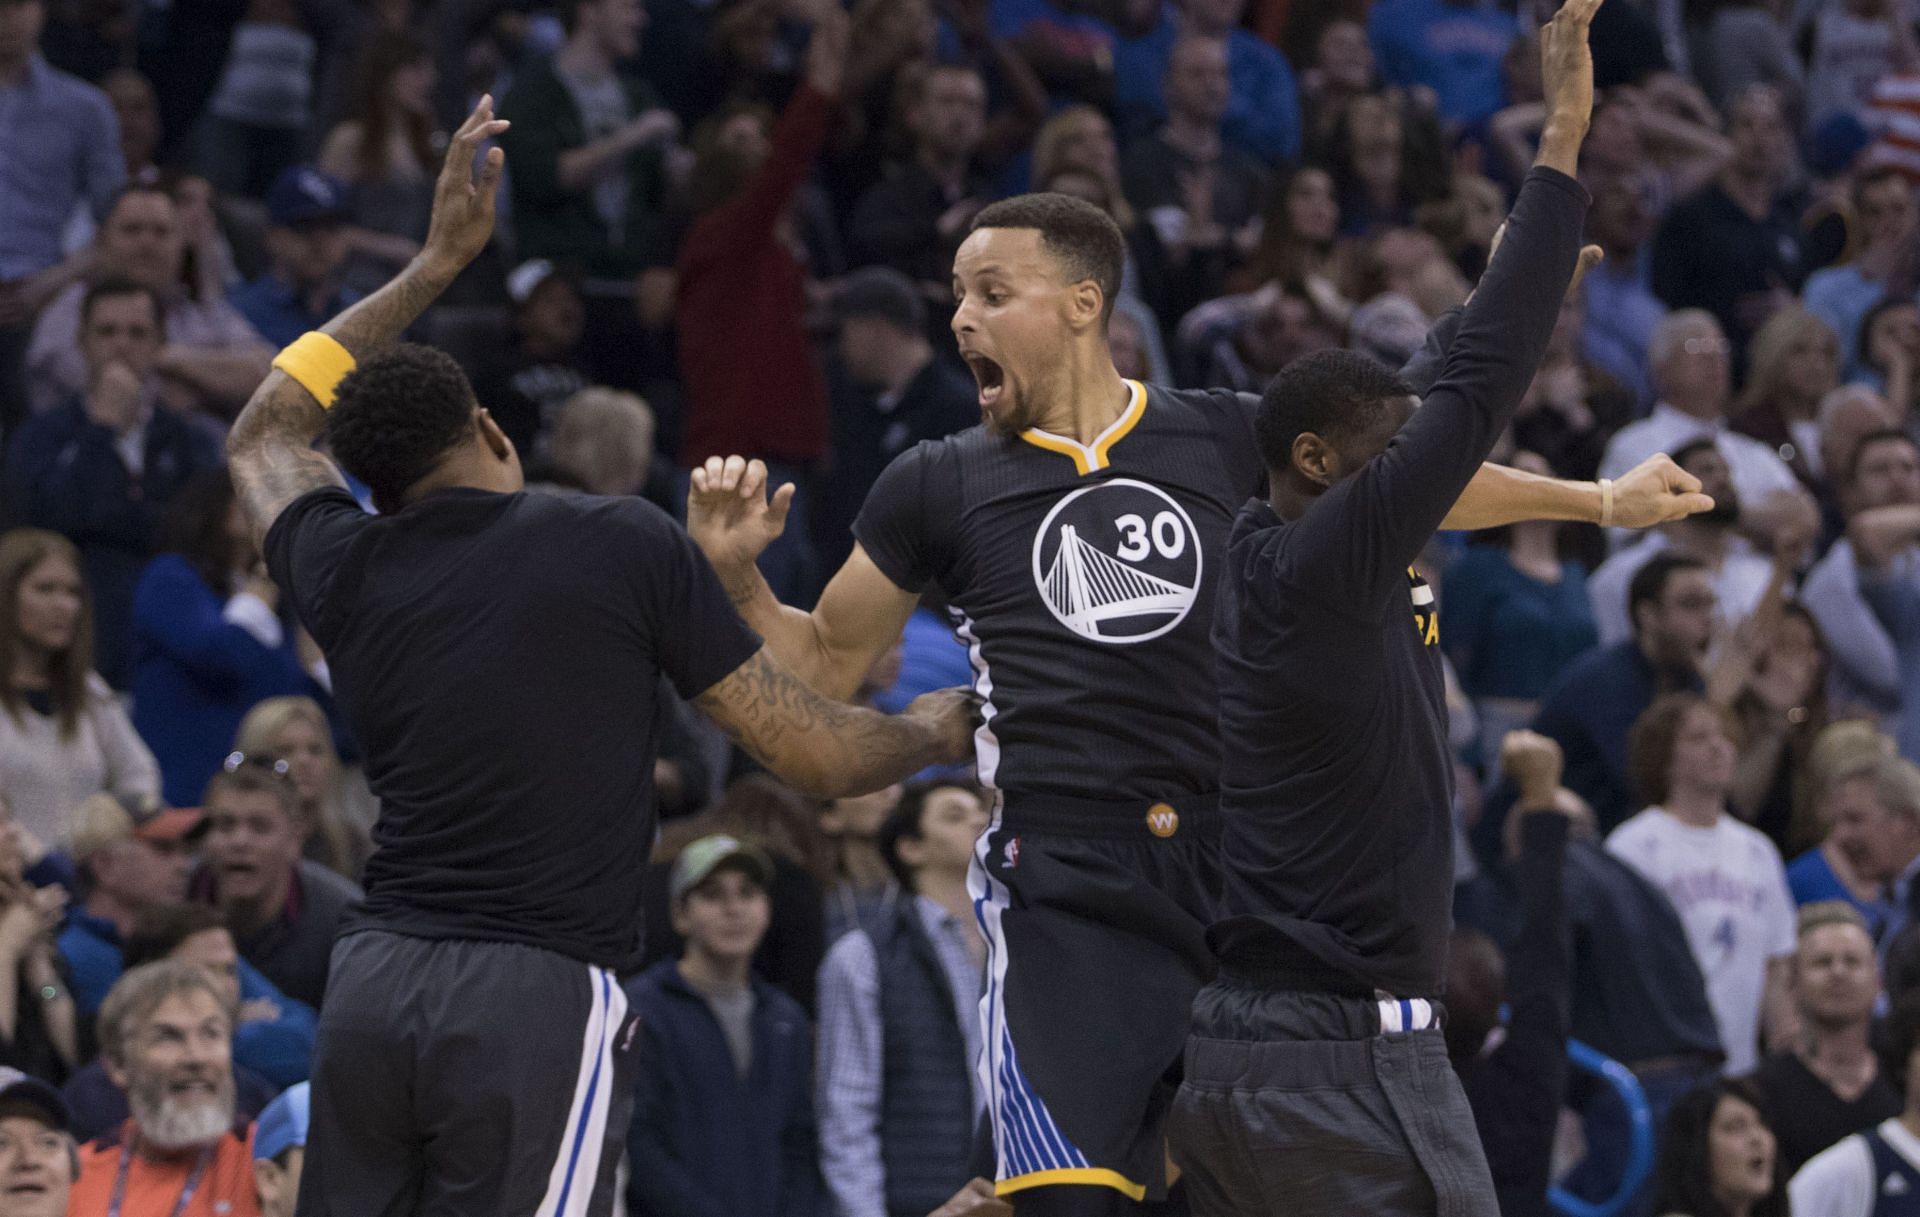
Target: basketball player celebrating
(1077,535)
(1317,1079)
(498,654)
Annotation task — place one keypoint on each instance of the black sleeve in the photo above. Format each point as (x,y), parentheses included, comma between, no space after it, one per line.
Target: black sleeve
(898,525)
(698,637)
(304,548)
(1354,546)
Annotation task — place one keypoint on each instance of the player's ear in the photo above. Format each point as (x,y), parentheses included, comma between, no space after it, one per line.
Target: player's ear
(1315,459)
(490,434)
(1089,302)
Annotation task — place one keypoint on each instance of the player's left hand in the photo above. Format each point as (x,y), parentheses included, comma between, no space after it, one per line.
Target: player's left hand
(1656,491)
(463,204)
(730,515)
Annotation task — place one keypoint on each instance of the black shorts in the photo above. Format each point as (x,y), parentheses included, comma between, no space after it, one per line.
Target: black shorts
(466,1079)
(1095,920)
(1317,1105)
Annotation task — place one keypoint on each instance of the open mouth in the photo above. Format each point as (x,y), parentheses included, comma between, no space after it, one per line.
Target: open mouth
(25,1188)
(989,376)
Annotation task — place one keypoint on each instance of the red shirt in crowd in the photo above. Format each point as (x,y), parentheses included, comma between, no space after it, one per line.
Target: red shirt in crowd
(753,384)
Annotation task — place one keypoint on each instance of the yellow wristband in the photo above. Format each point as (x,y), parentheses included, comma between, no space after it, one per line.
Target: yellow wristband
(318,363)
(1606,502)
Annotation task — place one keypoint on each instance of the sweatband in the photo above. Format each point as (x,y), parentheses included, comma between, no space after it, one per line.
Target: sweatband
(318,363)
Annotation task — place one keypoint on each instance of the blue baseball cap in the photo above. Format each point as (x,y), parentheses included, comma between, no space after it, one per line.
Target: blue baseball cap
(303,194)
(283,1124)
(17,1087)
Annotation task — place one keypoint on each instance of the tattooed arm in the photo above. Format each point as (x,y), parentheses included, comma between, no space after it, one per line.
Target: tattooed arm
(270,448)
(828,748)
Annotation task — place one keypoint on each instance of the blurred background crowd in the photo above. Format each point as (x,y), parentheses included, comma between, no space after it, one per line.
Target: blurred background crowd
(726,228)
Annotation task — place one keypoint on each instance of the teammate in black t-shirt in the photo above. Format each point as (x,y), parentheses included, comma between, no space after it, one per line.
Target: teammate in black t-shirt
(1317,1080)
(498,655)
(1077,536)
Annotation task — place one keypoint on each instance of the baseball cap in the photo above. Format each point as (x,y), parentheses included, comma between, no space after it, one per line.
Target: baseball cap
(105,819)
(303,194)
(283,1124)
(526,278)
(17,1087)
(708,854)
(882,293)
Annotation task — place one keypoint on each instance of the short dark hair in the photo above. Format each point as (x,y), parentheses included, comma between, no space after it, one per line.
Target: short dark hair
(396,415)
(1881,436)
(1683,1178)
(1651,742)
(1084,238)
(1332,393)
(253,779)
(159,932)
(904,823)
(1650,582)
(116,286)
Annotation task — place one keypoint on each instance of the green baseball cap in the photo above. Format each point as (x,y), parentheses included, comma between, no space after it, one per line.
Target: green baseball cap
(703,857)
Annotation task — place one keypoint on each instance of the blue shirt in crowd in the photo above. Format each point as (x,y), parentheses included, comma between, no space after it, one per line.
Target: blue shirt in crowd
(1508,634)
(1263,109)
(1455,50)
(272,306)
(71,155)
(1895,600)
(1589,712)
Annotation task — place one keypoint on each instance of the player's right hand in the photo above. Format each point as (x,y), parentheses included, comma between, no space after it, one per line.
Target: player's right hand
(1656,491)
(955,715)
(729,513)
(1566,67)
(463,202)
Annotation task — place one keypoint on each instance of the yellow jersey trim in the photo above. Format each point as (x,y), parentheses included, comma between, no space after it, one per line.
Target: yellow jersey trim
(1095,1176)
(1089,457)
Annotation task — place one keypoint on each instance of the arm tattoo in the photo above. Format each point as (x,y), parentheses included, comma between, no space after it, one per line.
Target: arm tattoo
(825,745)
(270,448)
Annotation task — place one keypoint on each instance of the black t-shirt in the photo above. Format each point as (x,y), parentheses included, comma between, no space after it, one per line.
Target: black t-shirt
(1082,580)
(1336,782)
(1808,1117)
(498,655)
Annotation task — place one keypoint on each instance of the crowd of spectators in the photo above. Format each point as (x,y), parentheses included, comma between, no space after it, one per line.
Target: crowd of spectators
(728,227)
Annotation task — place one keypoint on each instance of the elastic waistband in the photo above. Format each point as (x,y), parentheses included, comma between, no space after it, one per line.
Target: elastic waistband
(1122,820)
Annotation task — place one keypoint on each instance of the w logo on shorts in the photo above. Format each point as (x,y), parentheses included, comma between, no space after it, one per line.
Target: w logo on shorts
(1162,821)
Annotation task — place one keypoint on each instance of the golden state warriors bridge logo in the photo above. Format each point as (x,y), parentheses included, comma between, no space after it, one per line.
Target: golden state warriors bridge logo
(1118,562)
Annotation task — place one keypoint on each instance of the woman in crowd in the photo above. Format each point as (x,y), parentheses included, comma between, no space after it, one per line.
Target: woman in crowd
(387,151)
(208,641)
(1781,711)
(1517,611)
(1889,353)
(1717,1156)
(295,730)
(1385,162)
(1297,233)
(1792,363)
(63,736)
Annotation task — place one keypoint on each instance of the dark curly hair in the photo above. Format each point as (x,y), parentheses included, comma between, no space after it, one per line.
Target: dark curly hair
(1084,238)
(1683,1180)
(396,415)
(1335,394)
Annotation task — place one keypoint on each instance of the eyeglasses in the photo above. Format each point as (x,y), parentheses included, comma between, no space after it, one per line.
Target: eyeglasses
(236,761)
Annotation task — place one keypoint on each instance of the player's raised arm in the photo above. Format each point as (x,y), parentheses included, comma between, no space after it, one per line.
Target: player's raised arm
(270,448)
(733,518)
(828,748)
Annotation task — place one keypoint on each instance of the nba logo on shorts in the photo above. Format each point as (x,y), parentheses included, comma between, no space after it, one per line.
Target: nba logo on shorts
(1118,562)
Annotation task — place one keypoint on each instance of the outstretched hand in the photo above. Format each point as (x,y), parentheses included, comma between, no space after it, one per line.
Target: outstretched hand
(1656,491)
(730,515)
(1566,77)
(463,202)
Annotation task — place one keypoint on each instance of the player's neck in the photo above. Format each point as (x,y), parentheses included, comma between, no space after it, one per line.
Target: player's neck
(1089,397)
(1291,495)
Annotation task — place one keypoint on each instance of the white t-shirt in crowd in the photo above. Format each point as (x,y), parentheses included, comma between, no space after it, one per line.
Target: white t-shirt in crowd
(1730,889)
(1839,1180)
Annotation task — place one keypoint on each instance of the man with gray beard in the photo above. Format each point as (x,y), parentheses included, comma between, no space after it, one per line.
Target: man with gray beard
(166,1037)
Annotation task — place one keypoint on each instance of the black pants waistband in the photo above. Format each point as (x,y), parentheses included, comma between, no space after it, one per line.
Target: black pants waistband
(1178,818)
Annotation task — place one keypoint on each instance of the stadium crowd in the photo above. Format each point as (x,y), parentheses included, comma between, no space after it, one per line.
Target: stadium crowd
(727,229)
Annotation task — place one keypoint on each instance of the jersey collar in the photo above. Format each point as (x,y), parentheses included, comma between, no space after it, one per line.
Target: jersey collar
(1090,457)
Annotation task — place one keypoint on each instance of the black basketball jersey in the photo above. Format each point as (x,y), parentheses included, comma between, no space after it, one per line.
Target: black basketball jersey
(1081,579)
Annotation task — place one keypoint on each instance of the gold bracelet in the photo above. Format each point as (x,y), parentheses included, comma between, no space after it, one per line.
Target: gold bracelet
(1606,502)
(317,363)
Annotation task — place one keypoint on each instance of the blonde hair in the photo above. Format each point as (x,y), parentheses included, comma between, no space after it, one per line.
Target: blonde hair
(1047,162)
(1772,347)
(1823,913)
(102,820)
(259,735)
(603,440)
